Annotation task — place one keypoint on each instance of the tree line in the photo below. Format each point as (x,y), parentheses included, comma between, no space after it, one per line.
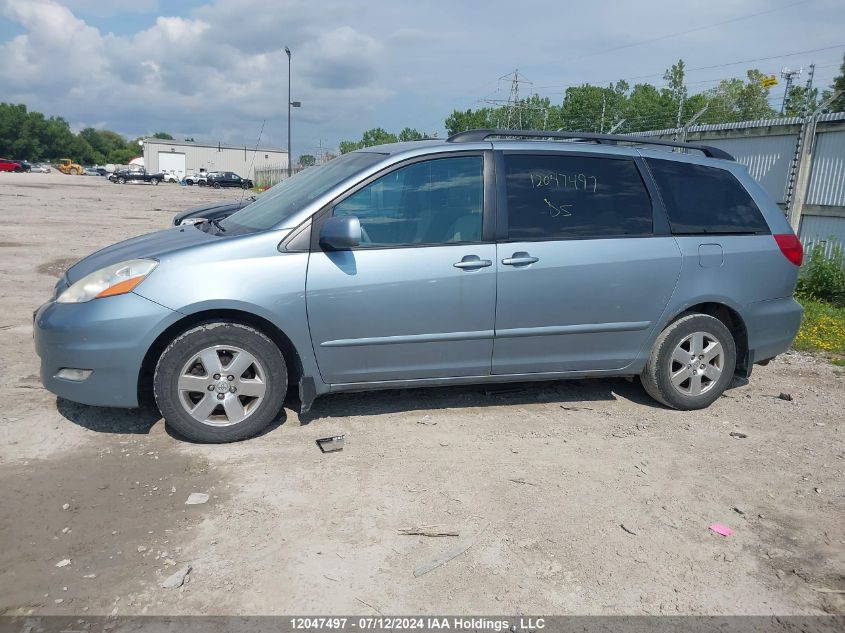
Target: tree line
(35,137)
(618,106)
(624,108)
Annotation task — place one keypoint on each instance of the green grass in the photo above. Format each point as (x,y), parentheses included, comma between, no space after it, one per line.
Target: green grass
(822,330)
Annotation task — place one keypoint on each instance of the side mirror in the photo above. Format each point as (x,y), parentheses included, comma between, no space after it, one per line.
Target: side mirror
(340,233)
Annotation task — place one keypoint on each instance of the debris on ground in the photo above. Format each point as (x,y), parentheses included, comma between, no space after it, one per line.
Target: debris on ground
(331,444)
(627,529)
(177,579)
(196,498)
(785,396)
(427,530)
(63,563)
(449,554)
(522,481)
(738,435)
(427,421)
(724,530)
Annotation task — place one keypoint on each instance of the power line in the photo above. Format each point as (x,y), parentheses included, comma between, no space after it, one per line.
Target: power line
(687,32)
(687,70)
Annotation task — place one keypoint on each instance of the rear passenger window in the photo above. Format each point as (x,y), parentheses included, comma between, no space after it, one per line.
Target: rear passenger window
(702,199)
(559,196)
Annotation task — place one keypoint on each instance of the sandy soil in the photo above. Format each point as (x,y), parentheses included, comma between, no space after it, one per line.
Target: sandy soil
(580,497)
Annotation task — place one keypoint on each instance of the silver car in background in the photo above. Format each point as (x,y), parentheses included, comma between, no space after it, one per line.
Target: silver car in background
(493,256)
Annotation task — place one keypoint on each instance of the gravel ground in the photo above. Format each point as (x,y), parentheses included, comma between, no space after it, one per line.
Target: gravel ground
(581,497)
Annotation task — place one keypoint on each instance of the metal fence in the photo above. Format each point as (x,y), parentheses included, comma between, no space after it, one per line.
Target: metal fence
(268,175)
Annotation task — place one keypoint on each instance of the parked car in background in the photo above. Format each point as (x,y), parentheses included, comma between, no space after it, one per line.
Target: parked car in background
(41,168)
(492,256)
(91,171)
(210,212)
(169,176)
(196,178)
(8,165)
(23,166)
(228,179)
(136,175)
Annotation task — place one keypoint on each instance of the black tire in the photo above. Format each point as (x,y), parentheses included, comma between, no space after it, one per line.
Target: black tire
(154,181)
(189,183)
(216,185)
(245,185)
(121,180)
(656,378)
(188,344)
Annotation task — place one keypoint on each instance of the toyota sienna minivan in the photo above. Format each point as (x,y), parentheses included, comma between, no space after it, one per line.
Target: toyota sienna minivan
(492,256)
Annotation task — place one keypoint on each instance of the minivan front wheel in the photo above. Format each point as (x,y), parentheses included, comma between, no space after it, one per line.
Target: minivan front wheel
(691,364)
(220,382)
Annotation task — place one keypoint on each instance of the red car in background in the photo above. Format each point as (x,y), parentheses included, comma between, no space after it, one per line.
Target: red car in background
(8,165)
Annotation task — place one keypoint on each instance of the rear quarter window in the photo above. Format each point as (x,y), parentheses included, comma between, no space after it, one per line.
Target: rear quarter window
(704,200)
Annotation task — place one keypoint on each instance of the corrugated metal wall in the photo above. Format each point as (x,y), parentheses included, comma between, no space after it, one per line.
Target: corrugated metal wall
(819,229)
(766,157)
(827,180)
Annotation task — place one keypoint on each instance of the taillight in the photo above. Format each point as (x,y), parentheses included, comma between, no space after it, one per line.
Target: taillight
(791,247)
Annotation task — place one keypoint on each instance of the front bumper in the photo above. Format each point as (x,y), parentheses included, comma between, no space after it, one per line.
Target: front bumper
(109,336)
(772,326)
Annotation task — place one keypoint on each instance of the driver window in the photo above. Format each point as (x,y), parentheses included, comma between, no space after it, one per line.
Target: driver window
(432,202)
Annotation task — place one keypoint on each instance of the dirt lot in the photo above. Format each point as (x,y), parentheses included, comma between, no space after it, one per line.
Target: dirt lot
(538,479)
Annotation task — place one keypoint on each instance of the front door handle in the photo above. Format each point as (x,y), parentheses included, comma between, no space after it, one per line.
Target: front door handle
(472,262)
(520,259)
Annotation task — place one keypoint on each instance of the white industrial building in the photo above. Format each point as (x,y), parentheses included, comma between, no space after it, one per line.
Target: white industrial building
(188,157)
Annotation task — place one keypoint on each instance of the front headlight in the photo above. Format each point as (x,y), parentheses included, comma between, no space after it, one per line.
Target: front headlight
(116,279)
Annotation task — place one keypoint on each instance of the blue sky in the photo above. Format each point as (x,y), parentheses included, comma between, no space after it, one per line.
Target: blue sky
(216,70)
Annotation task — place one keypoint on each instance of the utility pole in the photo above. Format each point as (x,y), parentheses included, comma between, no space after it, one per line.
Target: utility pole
(789,75)
(616,126)
(689,123)
(680,114)
(603,105)
(799,167)
(290,156)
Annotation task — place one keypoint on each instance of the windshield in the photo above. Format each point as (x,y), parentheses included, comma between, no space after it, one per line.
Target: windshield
(291,195)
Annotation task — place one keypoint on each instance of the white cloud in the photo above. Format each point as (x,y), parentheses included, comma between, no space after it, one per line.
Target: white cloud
(219,70)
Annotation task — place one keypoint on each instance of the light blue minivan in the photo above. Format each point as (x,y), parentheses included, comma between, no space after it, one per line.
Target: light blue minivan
(492,256)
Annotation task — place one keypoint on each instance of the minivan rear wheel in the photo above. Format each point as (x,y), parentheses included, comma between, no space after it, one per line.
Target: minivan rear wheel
(691,364)
(220,382)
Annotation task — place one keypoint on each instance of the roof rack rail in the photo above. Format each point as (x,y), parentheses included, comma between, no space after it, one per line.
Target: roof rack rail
(610,139)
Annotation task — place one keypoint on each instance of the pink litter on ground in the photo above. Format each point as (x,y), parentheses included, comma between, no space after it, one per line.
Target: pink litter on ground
(724,530)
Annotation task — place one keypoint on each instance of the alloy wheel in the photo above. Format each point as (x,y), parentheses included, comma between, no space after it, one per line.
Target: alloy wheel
(222,385)
(696,364)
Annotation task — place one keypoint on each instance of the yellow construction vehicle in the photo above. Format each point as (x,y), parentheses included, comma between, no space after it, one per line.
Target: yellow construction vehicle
(67,166)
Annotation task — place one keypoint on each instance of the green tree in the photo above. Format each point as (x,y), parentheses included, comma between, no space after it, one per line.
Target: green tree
(410,134)
(307,160)
(163,135)
(796,98)
(461,121)
(838,104)
(735,100)
(375,136)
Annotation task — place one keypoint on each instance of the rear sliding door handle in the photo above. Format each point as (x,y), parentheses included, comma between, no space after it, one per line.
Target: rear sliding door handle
(520,259)
(472,262)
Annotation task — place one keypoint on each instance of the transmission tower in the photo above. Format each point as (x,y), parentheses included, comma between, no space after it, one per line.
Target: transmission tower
(513,106)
